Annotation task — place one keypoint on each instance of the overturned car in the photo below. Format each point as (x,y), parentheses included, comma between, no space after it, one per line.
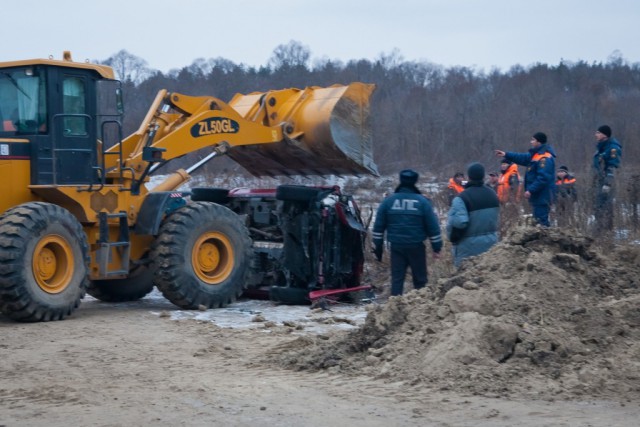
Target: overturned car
(306,242)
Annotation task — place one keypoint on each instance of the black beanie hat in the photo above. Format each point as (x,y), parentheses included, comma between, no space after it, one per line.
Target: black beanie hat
(475,172)
(563,168)
(408,177)
(504,160)
(605,130)
(540,137)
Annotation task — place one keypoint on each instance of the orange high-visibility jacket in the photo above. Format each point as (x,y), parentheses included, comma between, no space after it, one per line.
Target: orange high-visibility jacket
(455,186)
(508,184)
(567,180)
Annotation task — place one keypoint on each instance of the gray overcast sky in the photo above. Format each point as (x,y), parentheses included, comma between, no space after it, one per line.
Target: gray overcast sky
(476,33)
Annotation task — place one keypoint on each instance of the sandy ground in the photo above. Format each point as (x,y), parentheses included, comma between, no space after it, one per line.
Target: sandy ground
(146,363)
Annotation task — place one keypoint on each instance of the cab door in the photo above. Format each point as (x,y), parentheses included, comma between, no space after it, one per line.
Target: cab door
(74,129)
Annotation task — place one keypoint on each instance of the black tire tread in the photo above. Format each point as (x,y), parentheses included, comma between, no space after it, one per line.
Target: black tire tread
(181,287)
(131,288)
(16,229)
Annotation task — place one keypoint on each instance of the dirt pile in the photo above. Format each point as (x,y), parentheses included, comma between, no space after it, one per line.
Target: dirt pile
(543,314)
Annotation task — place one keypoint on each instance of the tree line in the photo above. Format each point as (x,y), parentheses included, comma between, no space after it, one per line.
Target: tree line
(426,116)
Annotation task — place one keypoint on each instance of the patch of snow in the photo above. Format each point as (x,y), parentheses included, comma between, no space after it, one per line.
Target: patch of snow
(242,314)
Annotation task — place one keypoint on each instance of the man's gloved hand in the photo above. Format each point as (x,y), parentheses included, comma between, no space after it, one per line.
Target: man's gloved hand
(606,189)
(377,250)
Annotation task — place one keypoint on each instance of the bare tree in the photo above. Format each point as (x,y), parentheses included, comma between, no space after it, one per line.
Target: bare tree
(129,68)
(291,55)
(204,67)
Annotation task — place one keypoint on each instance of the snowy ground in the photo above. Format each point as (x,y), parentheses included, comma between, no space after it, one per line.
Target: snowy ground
(258,314)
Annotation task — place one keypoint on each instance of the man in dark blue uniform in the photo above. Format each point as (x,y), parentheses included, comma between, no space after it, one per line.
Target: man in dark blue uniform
(605,161)
(539,181)
(408,219)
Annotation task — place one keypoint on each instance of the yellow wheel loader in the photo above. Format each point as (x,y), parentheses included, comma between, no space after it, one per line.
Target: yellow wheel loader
(78,216)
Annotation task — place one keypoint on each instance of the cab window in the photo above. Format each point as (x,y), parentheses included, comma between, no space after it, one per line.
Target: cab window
(74,105)
(22,102)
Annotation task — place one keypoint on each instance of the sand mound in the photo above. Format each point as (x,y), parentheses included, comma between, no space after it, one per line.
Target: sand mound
(543,314)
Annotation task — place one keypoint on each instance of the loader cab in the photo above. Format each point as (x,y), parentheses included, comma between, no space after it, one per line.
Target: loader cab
(61,111)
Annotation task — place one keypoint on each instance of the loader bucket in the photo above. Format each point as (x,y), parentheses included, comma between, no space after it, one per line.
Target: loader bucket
(326,131)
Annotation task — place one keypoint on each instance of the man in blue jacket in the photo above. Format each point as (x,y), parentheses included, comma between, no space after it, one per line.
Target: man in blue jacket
(539,180)
(408,219)
(605,161)
(472,223)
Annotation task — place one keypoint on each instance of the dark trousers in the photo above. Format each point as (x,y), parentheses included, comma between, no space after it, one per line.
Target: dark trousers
(565,211)
(541,214)
(403,257)
(604,211)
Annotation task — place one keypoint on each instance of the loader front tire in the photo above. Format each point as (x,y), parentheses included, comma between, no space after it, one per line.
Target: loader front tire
(44,262)
(137,285)
(201,256)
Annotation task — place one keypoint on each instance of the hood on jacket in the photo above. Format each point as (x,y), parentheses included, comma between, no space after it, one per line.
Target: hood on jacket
(544,148)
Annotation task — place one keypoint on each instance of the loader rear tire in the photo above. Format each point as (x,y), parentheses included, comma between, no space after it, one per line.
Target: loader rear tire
(201,256)
(44,262)
(137,285)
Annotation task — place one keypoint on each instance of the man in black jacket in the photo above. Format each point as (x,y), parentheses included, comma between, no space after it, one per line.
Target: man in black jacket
(472,223)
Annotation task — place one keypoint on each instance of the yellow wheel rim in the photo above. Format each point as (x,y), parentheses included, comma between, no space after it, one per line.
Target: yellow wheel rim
(212,258)
(53,264)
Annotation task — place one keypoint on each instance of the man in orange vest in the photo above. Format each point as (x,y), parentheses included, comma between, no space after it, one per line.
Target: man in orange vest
(565,184)
(493,181)
(455,186)
(565,196)
(509,182)
(539,181)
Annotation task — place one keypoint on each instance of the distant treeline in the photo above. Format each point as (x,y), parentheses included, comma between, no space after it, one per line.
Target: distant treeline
(428,117)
